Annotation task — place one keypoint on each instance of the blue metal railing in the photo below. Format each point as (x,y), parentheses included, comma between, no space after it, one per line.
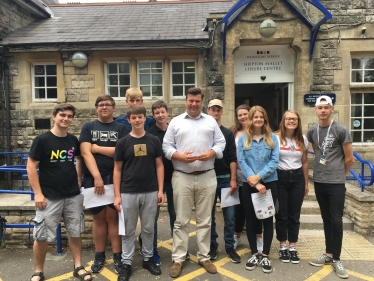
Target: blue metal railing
(362,180)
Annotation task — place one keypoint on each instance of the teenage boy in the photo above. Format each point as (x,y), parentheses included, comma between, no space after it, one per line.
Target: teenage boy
(160,114)
(134,96)
(98,139)
(56,190)
(226,178)
(332,145)
(138,179)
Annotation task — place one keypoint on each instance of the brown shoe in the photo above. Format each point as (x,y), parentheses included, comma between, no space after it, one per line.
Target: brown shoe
(176,269)
(209,266)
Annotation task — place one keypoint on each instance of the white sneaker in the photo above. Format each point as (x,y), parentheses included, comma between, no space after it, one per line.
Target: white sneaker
(260,245)
(238,241)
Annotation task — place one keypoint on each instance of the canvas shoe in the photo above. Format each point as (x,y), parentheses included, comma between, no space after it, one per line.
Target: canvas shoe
(284,256)
(266,265)
(252,262)
(339,269)
(294,256)
(321,261)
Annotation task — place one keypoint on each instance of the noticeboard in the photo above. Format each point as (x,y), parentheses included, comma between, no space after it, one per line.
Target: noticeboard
(310,99)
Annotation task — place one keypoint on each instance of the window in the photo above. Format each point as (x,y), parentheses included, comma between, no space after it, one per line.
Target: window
(183,76)
(362,117)
(44,82)
(117,78)
(151,78)
(362,70)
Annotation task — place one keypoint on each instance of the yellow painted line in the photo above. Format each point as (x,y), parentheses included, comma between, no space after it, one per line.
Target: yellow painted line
(231,274)
(192,222)
(361,276)
(191,275)
(108,274)
(67,275)
(326,270)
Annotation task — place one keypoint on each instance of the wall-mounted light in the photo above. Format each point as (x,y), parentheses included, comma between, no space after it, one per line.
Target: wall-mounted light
(267,28)
(363,30)
(79,59)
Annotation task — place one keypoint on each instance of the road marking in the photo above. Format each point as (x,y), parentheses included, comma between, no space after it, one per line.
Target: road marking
(67,275)
(361,276)
(326,270)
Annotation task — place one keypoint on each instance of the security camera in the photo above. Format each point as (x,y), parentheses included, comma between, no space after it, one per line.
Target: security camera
(363,30)
(263,78)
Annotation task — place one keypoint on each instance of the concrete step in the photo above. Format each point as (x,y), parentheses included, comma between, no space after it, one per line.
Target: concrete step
(315,222)
(310,208)
(311,194)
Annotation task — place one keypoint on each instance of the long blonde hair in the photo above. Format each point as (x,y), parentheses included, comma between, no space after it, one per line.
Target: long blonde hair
(298,134)
(265,128)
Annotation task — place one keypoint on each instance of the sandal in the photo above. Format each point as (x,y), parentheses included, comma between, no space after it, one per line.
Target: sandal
(39,274)
(81,276)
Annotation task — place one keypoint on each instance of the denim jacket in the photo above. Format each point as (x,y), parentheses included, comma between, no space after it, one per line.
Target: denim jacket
(260,158)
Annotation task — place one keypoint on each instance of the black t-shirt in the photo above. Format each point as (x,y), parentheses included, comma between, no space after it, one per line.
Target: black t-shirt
(168,165)
(57,174)
(102,134)
(138,156)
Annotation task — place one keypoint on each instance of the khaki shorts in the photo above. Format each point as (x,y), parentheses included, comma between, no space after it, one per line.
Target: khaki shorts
(47,220)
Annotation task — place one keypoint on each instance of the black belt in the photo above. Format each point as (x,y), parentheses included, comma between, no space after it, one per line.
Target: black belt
(195,172)
(290,171)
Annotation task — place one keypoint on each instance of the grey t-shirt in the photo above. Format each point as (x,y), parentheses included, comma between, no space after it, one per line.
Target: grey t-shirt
(333,171)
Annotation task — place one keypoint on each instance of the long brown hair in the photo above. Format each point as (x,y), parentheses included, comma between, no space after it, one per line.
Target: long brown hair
(265,128)
(237,126)
(298,134)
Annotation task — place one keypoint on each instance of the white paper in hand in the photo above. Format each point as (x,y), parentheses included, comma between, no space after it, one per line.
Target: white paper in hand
(263,205)
(91,199)
(228,200)
(121,222)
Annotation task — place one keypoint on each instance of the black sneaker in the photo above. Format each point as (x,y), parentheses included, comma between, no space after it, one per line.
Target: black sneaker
(152,267)
(252,262)
(140,240)
(124,274)
(235,258)
(266,265)
(284,256)
(117,262)
(98,263)
(213,251)
(294,256)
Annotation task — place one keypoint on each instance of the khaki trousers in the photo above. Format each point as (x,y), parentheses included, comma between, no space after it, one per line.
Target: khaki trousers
(193,191)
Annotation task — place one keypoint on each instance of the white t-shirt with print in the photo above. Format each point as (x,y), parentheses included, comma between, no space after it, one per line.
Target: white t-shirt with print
(290,155)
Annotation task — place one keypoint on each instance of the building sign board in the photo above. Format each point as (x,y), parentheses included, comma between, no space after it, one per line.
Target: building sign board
(311,98)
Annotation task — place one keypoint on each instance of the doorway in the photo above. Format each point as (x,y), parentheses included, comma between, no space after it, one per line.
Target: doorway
(275,98)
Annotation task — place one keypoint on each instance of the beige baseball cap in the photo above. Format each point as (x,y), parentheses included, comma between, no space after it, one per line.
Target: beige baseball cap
(215,102)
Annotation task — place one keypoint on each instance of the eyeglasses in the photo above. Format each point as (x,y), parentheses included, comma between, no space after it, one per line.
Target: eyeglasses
(291,119)
(105,105)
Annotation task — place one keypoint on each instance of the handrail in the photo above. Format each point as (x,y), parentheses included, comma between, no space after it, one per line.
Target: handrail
(361,178)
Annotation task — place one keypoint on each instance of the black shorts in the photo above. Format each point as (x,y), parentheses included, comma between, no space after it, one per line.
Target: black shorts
(88,181)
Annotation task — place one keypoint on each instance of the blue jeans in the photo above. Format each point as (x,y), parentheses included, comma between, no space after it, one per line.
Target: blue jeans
(228,216)
(169,193)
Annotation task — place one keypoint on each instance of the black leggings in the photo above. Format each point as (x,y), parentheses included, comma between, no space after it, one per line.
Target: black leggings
(251,218)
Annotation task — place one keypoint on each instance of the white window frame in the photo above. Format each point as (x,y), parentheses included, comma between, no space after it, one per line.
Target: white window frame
(361,117)
(163,78)
(34,99)
(171,77)
(362,69)
(106,78)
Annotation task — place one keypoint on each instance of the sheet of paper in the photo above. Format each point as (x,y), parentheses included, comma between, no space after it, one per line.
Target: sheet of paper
(91,199)
(263,204)
(121,222)
(228,200)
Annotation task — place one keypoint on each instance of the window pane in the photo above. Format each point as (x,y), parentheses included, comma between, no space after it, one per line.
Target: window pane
(124,68)
(177,67)
(356,124)
(177,79)
(368,124)
(356,76)
(40,93)
(144,67)
(368,136)
(156,67)
(189,78)
(356,111)
(52,93)
(51,69)
(124,79)
(156,79)
(145,79)
(122,91)
(39,82)
(146,91)
(369,98)
(156,91)
(189,66)
(369,76)
(356,136)
(52,81)
(368,111)
(356,98)
(39,70)
(177,90)
(112,79)
(186,88)
(356,63)
(113,91)
(369,63)
(112,68)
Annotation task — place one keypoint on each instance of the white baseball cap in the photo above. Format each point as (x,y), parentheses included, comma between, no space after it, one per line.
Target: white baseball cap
(216,102)
(322,100)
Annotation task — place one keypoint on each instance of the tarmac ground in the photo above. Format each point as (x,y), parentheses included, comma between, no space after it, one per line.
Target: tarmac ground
(357,257)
